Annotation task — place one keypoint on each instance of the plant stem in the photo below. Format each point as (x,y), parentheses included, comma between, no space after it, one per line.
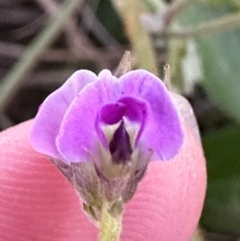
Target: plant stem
(139,38)
(174,9)
(180,5)
(154,5)
(214,26)
(16,76)
(110,225)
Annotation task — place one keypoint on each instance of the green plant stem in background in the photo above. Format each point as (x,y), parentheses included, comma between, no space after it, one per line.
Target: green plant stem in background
(16,76)
(130,11)
(176,7)
(179,5)
(173,10)
(177,50)
(154,5)
(211,27)
(110,225)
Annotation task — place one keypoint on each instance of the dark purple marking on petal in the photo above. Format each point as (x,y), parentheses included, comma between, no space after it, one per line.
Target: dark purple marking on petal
(132,108)
(137,110)
(120,146)
(49,118)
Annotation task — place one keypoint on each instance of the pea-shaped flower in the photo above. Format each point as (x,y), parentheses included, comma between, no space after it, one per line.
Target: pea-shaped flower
(102,131)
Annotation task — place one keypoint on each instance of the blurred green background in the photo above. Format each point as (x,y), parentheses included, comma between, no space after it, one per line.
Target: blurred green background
(43,41)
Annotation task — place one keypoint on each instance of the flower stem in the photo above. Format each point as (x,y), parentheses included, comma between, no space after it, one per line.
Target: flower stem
(110,224)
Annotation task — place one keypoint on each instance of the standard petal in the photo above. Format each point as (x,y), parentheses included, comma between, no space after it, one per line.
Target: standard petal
(162,133)
(77,137)
(51,113)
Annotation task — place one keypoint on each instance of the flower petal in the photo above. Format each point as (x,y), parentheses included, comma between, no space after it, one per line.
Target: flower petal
(132,108)
(51,113)
(109,114)
(77,137)
(137,110)
(162,133)
(112,113)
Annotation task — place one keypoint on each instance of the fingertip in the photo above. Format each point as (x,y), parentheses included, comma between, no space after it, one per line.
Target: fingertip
(168,203)
(36,201)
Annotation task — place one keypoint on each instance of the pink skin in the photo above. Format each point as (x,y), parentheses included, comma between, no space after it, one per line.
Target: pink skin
(38,203)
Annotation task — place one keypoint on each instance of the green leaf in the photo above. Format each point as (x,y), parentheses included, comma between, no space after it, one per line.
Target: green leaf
(220,54)
(222,206)
(222,151)
(233,4)
(108,16)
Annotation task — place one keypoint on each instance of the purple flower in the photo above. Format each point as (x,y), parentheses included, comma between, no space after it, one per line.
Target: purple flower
(102,131)
(106,119)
